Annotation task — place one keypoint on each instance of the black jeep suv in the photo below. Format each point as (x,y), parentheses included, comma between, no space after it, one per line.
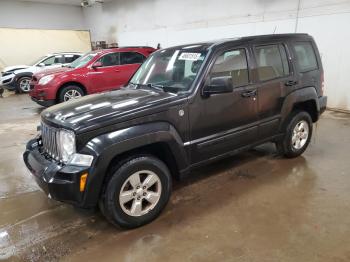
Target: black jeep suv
(185,106)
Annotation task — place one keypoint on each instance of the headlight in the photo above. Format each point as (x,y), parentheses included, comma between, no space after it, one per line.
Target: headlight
(66,144)
(45,79)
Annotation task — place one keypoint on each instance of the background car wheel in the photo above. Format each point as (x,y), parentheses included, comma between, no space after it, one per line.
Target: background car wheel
(298,135)
(137,192)
(23,84)
(70,93)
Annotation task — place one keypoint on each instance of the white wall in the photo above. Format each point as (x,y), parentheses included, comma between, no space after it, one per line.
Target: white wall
(169,22)
(18,14)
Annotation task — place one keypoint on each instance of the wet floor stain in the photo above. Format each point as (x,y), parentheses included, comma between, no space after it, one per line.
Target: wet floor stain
(255,206)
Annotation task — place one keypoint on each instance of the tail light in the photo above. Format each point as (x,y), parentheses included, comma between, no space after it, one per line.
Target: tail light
(322,83)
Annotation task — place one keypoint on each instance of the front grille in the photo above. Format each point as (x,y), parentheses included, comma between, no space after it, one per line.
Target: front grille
(49,137)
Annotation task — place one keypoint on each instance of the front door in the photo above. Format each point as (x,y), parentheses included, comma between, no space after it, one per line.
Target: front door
(105,77)
(224,122)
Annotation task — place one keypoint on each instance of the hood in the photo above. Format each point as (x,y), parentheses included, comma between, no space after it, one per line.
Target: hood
(13,68)
(51,71)
(99,110)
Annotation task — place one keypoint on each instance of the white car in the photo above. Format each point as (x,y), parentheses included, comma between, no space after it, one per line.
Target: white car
(17,78)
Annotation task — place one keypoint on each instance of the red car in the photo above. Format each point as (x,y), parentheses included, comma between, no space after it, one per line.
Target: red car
(97,71)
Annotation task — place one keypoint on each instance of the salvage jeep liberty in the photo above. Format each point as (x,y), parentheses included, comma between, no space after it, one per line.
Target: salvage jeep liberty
(184,107)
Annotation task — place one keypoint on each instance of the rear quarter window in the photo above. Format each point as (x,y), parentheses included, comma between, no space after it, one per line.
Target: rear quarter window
(306,57)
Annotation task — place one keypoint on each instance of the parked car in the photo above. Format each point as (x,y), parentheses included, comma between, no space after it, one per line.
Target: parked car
(17,78)
(94,72)
(185,107)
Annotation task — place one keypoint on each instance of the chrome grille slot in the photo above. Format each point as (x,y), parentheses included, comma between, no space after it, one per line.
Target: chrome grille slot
(49,137)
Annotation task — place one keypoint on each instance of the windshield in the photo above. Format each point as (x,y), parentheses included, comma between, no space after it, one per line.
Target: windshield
(170,69)
(82,61)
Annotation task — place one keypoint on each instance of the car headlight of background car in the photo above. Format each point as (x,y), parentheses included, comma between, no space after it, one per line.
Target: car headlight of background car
(45,80)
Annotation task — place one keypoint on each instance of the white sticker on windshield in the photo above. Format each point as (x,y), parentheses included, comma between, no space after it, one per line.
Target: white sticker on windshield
(190,56)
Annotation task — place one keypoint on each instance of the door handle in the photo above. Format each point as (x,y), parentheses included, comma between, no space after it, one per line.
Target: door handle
(291,83)
(116,70)
(249,93)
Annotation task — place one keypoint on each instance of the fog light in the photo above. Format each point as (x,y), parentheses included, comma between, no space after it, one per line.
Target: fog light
(83,181)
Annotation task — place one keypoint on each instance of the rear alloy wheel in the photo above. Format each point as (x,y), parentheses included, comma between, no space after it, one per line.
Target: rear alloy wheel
(297,135)
(23,84)
(70,93)
(137,192)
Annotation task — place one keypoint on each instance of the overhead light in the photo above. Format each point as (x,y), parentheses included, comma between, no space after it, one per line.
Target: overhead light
(88,3)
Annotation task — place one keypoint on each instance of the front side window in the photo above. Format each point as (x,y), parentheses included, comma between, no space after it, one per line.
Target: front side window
(271,61)
(232,63)
(127,58)
(170,69)
(111,59)
(306,57)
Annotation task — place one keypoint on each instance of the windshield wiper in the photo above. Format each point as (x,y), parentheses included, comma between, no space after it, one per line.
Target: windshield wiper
(155,86)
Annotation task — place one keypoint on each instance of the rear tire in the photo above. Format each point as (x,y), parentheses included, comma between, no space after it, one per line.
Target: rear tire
(297,136)
(137,192)
(69,93)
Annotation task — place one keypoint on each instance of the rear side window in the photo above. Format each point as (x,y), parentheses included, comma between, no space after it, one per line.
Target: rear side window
(306,57)
(71,58)
(232,63)
(131,58)
(271,61)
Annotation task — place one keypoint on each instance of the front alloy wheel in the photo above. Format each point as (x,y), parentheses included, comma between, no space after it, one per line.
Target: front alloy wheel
(140,193)
(71,94)
(138,190)
(24,84)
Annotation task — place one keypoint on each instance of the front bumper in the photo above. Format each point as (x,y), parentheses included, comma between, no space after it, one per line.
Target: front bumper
(45,103)
(322,101)
(8,82)
(59,182)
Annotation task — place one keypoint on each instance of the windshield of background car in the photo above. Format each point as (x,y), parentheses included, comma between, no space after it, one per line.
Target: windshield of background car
(83,60)
(172,69)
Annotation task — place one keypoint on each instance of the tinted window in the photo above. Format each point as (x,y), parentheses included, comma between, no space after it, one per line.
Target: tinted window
(71,58)
(59,59)
(232,63)
(272,61)
(131,58)
(110,59)
(306,56)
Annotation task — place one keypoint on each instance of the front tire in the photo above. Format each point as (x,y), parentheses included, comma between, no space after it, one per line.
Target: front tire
(69,93)
(23,84)
(137,192)
(297,136)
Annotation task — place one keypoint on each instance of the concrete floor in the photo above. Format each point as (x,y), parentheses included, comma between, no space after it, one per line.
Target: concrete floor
(252,207)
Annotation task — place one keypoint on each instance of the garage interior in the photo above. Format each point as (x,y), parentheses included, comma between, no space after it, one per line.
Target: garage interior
(254,206)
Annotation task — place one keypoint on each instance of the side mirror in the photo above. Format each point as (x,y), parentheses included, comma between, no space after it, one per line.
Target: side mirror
(41,65)
(219,85)
(96,65)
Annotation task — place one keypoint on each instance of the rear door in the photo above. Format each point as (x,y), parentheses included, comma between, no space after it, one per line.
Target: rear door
(274,78)
(105,77)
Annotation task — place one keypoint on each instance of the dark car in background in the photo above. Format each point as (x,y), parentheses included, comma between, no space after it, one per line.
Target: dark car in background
(185,107)
(95,72)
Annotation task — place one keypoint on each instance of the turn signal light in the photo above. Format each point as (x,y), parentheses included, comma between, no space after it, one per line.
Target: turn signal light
(83,181)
